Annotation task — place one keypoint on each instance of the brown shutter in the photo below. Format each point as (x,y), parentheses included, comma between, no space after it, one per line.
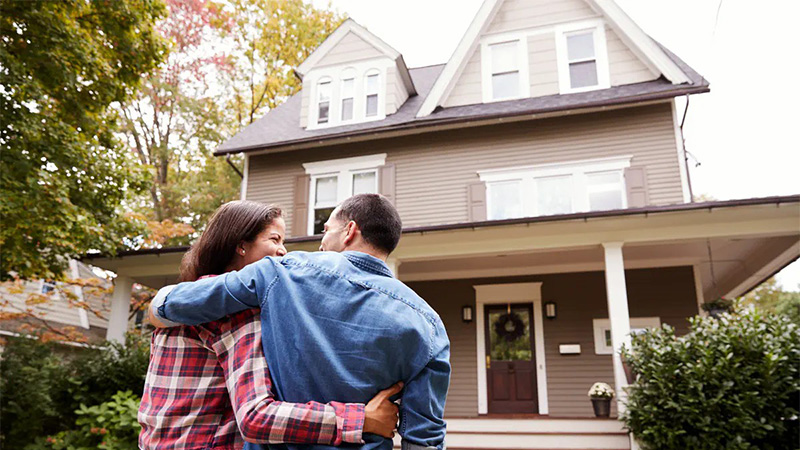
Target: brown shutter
(300,211)
(387,181)
(636,187)
(476,199)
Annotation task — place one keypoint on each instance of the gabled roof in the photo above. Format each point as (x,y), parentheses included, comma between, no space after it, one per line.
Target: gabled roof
(351,26)
(640,43)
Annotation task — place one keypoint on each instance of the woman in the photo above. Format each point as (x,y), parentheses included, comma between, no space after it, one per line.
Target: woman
(208,386)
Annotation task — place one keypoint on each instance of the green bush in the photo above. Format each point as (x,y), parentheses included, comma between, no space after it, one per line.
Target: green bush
(43,388)
(730,383)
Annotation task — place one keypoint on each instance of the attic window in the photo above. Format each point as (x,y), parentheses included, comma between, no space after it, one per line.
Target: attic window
(323,100)
(348,94)
(505,70)
(581,59)
(371,92)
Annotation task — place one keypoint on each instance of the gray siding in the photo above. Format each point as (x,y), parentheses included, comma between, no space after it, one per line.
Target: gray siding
(396,93)
(667,293)
(543,64)
(305,98)
(623,65)
(350,49)
(433,170)
(467,90)
(522,14)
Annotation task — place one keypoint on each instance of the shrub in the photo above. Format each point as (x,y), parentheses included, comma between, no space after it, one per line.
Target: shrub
(730,383)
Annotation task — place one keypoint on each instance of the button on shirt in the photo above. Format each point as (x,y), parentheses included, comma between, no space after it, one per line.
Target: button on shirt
(335,326)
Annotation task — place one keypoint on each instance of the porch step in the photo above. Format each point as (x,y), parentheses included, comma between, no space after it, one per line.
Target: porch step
(534,434)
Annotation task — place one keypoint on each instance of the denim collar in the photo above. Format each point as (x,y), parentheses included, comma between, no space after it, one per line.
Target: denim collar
(368,262)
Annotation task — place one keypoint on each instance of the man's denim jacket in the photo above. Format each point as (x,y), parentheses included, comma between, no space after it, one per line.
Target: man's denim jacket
(336,327)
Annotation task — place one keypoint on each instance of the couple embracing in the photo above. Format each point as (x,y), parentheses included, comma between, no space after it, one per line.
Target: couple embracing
(298,350)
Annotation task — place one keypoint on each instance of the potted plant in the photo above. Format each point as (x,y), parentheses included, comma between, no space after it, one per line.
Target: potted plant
(601,395)
(718,306)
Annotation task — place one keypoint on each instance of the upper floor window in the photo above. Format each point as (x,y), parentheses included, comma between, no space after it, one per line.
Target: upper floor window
(348,97)
(334,181)
(582,59)
(371,91)
(323,100)
(549,189)
(505,70)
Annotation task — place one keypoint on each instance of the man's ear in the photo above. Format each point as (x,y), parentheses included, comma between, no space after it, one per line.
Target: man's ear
(351,231)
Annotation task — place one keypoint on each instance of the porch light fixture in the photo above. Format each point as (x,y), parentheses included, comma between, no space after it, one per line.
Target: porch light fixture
(550,310)
(466,314)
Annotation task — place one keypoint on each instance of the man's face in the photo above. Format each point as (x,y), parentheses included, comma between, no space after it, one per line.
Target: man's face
(333,234)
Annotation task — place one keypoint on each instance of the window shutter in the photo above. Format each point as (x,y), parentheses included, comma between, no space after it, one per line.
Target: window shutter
(387,181)
(636,187)
(476,198)
(300,211)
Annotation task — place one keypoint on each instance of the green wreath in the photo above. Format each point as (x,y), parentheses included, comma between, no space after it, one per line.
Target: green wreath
(509,327)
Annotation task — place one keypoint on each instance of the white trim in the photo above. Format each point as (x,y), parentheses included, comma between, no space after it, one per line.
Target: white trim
(523,67)
(767,270)
(597,27)
(681,152)
(83,315)
(245,177)
(561,168)
(455,65)
(699,290)
(639,42)
(492,294)
(120,308)
(337,165)
(600,326)
(617,297)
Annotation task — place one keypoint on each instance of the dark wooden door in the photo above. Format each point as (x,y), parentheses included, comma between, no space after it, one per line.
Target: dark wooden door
(510,366)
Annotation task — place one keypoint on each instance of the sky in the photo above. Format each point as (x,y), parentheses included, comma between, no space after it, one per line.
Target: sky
(743,134)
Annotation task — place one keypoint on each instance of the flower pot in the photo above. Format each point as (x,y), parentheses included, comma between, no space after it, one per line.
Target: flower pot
(602,407)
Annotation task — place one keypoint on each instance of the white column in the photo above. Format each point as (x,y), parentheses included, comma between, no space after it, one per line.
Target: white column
(120,308)
(617,295)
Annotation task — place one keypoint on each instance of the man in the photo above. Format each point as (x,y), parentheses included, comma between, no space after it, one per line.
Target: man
(337,315)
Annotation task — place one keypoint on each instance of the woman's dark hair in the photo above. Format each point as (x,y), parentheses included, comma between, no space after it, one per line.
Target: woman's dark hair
(231,224)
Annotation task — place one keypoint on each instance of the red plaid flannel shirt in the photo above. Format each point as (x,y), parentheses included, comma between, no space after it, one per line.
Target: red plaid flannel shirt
(204,380)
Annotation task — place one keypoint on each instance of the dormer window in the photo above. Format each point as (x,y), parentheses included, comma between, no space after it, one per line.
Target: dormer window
(371,91)
(582,57)
(323,100)
(348,97)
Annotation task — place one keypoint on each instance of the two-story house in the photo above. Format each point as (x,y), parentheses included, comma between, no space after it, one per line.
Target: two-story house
(541,179)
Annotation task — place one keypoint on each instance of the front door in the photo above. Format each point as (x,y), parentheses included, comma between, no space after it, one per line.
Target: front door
(510,367)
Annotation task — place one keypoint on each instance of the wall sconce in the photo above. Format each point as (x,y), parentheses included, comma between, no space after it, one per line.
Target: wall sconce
(550,310)
(466,314)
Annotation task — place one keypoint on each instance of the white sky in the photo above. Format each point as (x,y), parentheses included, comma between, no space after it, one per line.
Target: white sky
(744,133)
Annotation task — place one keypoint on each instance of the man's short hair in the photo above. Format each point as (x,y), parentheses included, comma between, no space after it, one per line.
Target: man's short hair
(376,217)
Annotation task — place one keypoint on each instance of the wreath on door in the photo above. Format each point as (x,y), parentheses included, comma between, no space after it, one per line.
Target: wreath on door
(509,327)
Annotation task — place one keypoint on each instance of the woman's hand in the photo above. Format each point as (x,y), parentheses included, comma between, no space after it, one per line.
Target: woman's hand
(381,414)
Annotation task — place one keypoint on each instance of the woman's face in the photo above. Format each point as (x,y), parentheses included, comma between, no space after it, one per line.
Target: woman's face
(268,243)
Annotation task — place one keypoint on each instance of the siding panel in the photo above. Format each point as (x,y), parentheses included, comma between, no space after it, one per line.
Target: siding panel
(624,66)
(351,48)
(521,14)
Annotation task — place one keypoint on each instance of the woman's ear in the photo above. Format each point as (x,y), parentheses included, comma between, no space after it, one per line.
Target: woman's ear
(241,249)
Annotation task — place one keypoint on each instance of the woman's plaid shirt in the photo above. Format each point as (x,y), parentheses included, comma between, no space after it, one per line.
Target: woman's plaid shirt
(205,380)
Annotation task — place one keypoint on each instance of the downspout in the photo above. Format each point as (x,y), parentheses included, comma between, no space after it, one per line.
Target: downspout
(239,172)
(685,153)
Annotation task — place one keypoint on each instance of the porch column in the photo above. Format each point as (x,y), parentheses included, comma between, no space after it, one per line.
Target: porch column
(120,308)
(619,318)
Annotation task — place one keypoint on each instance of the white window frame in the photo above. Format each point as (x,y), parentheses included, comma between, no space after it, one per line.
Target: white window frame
(317,100)
(578,170)
(597,27)
(337,74)
(486,65)
(344,169)
(367,74)
(347,74)
(600,326)
(53,288)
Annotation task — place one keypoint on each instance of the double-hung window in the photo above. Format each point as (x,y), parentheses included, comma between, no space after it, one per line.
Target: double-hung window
(348,95)
(549,189)
(582,57)
(323,101)
(334,181)
(372,87)
(505,70)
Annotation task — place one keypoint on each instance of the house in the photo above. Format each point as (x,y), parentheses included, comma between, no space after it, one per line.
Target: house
(542,182)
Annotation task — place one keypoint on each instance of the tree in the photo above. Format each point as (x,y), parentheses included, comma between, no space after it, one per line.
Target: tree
(64,176)
(772,298)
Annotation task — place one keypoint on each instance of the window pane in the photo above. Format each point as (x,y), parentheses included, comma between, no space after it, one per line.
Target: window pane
(326,190)
(324,91)
(505,85)
(504,57)
(321,216)
(372,105)
(364,183)
(324,109)
(505,200)
(583,74)
(580,46)
(602,201)
(510,334)
(348,88)
(347,108)
(372,84)
(600,178)
(605,190)
(554,195)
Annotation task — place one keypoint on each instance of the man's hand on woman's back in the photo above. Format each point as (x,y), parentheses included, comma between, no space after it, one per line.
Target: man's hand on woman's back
(381,414)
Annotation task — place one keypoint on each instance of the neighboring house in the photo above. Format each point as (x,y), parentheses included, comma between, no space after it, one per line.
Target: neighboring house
(46,301)
(542,182)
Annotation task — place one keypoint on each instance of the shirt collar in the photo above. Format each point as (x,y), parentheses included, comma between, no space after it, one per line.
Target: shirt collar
(368,262)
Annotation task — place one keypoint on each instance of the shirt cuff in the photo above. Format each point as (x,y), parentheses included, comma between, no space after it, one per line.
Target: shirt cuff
(157,306)
(349,422)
